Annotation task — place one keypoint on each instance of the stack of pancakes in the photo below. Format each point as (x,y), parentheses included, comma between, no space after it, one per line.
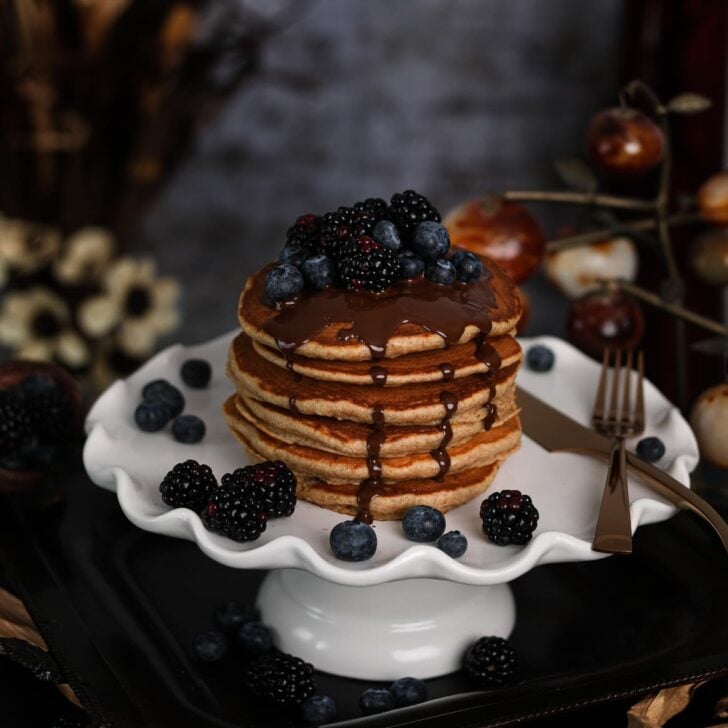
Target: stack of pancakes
(374,430)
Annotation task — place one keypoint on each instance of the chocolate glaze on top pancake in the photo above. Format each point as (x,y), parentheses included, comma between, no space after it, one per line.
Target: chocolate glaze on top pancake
(358,325)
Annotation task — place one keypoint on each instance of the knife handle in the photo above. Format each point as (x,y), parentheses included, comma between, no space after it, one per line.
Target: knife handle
(613,533)
(680,496)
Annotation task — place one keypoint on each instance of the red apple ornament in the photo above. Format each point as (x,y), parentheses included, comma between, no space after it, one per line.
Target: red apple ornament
(500,230)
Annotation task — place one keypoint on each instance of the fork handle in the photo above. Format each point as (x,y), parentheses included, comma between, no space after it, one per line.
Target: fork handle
(613,534)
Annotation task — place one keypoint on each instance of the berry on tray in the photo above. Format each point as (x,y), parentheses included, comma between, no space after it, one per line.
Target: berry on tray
(232,614)
(376,700)
(468,266)
(274,483)
(210,646)
(160,390)
(366,264)
(431,241)
(318,709)
(280,679)
(188,429)
(540,358)
(319,272)
(283,283)
(255,638)
(353,541)
(151,415)
(509,517)
(441,271)
(188,485)
(236,513)
(490,661)
(408,691)
(453,543)
(386,234)
(423,524)
(650,449)
(408,209)
(410,265)
(196,373)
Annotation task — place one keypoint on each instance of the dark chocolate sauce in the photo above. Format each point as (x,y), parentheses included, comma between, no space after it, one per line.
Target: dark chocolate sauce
(372,485)
(491,414)
(378,375)
(486,353)
(292,404)
(448,371)
(442,458)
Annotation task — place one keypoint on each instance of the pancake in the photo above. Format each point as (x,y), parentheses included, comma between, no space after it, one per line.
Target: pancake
(407,318)
(461,360)
(350,438)
(484,448)
(423,404)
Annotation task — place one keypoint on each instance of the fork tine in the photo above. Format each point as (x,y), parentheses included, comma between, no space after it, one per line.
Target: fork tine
(639,417)
(613,414)
(601,398)
(626,421)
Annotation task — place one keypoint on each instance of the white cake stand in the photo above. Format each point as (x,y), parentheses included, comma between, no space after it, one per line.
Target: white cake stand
(410,610)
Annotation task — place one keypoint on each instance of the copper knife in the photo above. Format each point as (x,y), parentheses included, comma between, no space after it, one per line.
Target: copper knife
(556,432)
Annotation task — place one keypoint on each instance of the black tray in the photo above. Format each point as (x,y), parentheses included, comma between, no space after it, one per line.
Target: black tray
(119,607)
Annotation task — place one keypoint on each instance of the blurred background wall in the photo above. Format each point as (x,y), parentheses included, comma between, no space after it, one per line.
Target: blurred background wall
(355,99)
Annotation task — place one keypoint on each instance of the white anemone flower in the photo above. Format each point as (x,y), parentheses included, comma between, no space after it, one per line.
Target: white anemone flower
(87,252)
(27,247)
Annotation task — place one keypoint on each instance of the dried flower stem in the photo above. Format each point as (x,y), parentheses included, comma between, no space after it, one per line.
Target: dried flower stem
(579,198)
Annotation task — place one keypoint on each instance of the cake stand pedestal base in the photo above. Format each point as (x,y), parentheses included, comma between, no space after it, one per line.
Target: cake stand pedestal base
(416,627)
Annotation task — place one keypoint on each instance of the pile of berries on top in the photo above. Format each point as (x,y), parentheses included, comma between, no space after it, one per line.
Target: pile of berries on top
(37,422)
(369,246)
(241,505)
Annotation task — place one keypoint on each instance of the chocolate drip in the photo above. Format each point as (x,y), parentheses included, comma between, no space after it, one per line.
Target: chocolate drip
(448,371)
(371,486)
(491,414)
(378,375)
(289,366)
(292,404)
(442,458)
(374,318)
(487,354)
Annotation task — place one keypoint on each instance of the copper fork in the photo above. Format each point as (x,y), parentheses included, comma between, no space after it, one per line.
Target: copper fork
(618,418)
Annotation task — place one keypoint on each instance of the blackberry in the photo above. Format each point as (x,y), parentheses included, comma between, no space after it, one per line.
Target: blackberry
(280,679)
(273,482)
(304,233)
(188,485)
(366,264)
(509,517)
(490,661)
(374,206)
(236,513)
(340,228)
(49,409)
(408,209)
(15,428)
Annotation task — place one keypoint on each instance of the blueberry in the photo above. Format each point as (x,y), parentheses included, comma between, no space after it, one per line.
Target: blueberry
(295,255)
(283,283)
(540,358)
(210,646)
(188,429)
(423,523)
(650,449)
(387,235)
(453,543)
(411,265)
(37,384)
(196,373)
(353,541)
(255,638)
(467,265)
(441,271)
(408,691)
(318,709)
(232,615)
(431,240)
(376,700)
(319,271)
(151,415)
(160,390)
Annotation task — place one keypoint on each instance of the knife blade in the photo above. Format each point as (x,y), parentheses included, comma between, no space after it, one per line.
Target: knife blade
(557,432)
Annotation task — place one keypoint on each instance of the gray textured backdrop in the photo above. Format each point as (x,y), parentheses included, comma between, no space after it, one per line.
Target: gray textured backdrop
(451,97)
